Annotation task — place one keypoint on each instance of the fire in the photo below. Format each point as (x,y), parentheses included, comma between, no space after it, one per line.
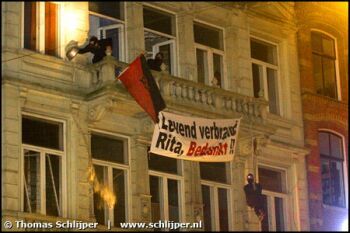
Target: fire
(103,190)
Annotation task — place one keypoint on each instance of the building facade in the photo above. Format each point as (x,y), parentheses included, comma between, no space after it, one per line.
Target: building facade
(61,117)
(323,63)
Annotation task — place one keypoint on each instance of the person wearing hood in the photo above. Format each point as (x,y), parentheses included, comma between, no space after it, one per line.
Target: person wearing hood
(157,63)
(254,197)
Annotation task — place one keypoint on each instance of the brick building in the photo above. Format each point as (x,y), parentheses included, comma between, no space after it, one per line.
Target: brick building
(323,64)
(61,116)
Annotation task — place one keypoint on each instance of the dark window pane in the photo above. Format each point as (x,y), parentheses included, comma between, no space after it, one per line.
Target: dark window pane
(165,50)
(112,9)
(213,171)
(336,146)
(31,181)
(328,67)
(162,163)
(99,205)
(272,90)
(107,148)
(173,200)
(40,132)
(119,191)
(265,223)
(30,25)
(257,77)
(53,185)
(206,207)
(223,209)
(316,41)
(328,46)
(51,43)
(208,36)
(158,21)
(317,70)
(155,187)
(271,180)
(323,143)
(201,65)
(279,214)
(217,63)
(263,51)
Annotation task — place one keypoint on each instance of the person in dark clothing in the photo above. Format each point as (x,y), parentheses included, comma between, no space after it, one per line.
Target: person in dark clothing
(254,196)
(95,47)
(156,63)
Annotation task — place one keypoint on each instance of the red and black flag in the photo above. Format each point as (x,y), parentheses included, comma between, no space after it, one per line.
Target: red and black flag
(138,80)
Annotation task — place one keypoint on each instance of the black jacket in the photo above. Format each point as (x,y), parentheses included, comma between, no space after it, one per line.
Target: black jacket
(97,50)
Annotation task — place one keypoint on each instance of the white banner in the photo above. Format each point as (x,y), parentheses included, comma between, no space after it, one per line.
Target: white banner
(196,139)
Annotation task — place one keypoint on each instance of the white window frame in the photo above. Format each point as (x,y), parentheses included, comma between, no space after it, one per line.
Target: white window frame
(120,24)
(270,198)
(266,65)
(337,76)
(109,213)
(43,151)
(172,39)
(210,51)
(345,170)
(40,28)
(164,205)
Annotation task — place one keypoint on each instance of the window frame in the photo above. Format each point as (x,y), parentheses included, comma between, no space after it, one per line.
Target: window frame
(214,200)
(40,29)
(271,195)
(121,25)
(336,61)
(173,38)
(164,176)
(109,213)
(344,166)
(266,65)
(43,151)
(210,51)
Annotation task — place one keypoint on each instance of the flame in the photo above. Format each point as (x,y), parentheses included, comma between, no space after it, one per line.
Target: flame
(104,191)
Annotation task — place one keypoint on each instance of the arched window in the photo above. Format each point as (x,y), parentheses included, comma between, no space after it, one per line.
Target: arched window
(332,158)
(324,70)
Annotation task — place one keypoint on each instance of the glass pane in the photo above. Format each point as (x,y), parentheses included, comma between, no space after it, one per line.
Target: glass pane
(217,63)
(223,209)
(162,163)
(173,200)
(328,46)
(272,90)
(158,21)
(206,207)
(99,205)
(263,51)
(323,143)
(114,35)
(328,66)
(32,181)
(166,51)
(265,222)
(202,65)
(40,132)
(155,189)
(53,185)
(279,214)
(208,36)
(257,78)
(336,146)
(112,9)
(271,180)
(317,70)
(119,191)
(213,171)
(316,41)
(30,25)
(51,24)
(332,183)
(107,148)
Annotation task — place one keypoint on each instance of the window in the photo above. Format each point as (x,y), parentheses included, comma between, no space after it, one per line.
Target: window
(43,156)
(265,73)
(35,15)
(209,54)
(110,160)
(216,196)
(275,199)
(324,57)
(106,20)
(332,160)
(165,188)
(160,36)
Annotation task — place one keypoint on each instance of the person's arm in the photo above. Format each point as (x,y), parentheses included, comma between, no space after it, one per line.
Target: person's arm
(86,49)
